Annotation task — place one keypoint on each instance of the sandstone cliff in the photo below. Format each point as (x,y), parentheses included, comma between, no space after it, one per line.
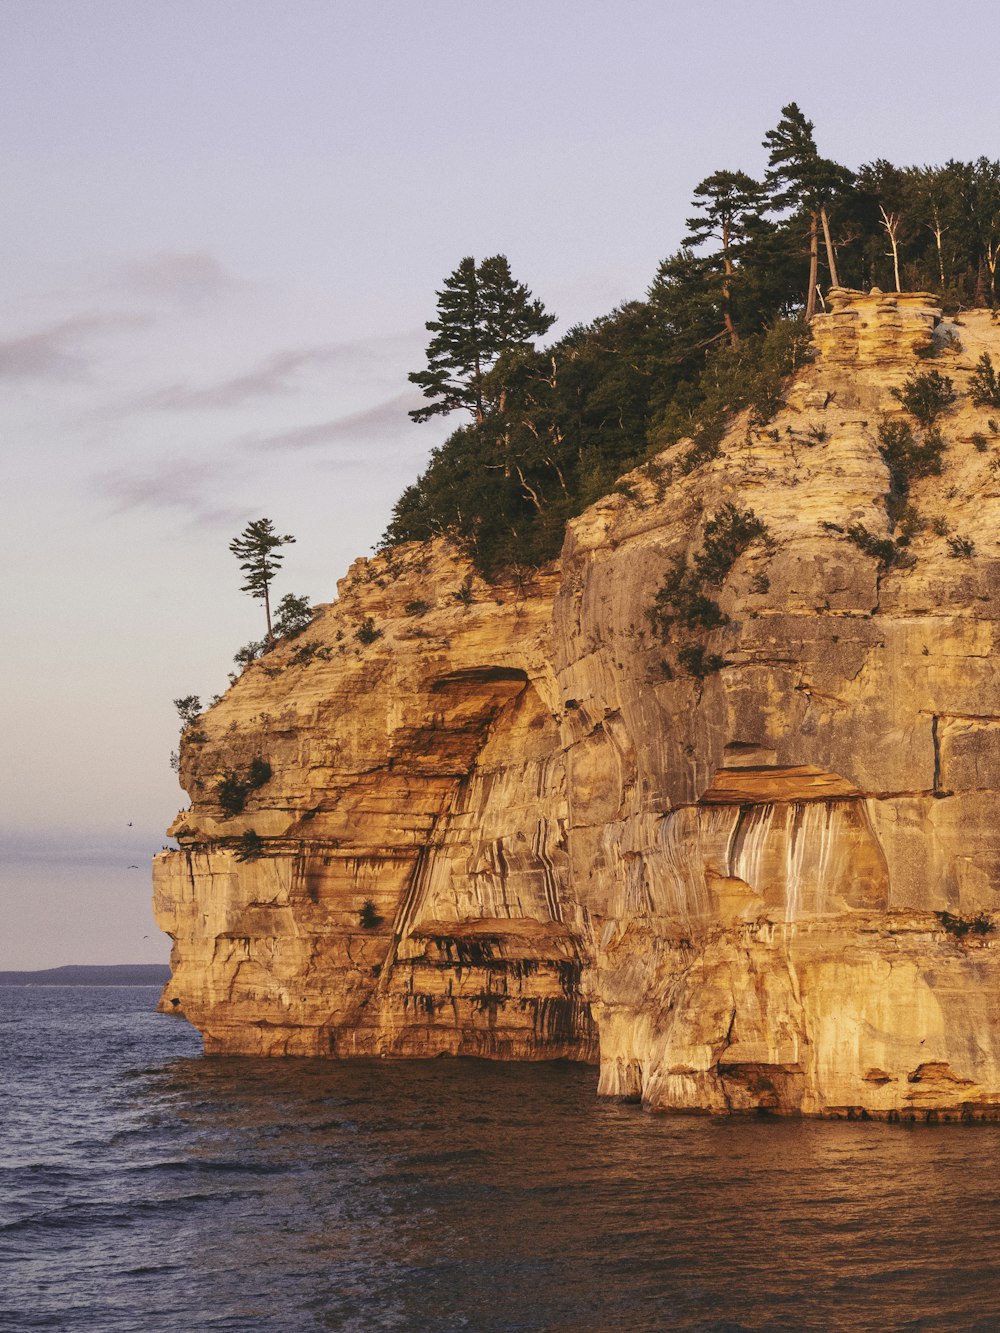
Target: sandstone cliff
(506,821)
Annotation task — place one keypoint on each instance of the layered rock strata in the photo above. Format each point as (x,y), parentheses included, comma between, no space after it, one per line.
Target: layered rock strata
(410,894)
(507,821)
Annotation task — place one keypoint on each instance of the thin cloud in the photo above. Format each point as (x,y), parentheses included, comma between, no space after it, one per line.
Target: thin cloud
(186,276)
(379,424)
(55,352)
(273,377)
(268,379)
(181,485)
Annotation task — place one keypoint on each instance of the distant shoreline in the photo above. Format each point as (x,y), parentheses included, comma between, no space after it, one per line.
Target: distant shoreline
(115,974)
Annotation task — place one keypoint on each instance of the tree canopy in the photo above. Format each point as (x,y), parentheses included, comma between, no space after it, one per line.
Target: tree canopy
(800,179)
(549,429)
(481,314)
(730,204)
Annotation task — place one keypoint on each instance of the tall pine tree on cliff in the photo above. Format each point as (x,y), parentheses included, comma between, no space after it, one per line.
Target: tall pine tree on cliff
(730,203)
(257,549)
(801,179)
(482,312)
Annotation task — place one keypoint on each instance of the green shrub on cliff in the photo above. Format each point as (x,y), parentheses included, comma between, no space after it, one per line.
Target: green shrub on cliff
(292,615)
(726,535)
(959,926)
(366,632)
(697,661)
(984,386)
(961,548)
(188,709)
(249,847)
(231,791)
(249,652)
(883,549)
(235,785)
(925,396)
(310,651)
(683,599)
(908,458)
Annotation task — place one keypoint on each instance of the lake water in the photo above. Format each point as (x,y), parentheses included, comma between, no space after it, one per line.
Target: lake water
(144,1187)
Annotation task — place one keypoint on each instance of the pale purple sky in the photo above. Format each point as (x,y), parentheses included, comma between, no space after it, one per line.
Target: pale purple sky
(224,222)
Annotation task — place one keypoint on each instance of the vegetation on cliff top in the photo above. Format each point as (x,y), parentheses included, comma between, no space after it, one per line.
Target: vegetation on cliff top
(551,430)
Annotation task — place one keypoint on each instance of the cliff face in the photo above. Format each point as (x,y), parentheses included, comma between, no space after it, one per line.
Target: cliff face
(723,885)
(419,773)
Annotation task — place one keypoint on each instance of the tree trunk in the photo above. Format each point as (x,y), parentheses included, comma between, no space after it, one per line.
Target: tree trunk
(830,258)
(734,337)
(813,264)
(562,479)
(979,299)
(480,413)
(937,230)
(727,313)
(891,223)
(267,613)
(529,491)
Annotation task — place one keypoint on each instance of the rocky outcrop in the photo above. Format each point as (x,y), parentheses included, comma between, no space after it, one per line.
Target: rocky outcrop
(410,895)
(520,821)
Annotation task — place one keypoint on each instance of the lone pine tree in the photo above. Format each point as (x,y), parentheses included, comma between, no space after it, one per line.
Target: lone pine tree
(256,548)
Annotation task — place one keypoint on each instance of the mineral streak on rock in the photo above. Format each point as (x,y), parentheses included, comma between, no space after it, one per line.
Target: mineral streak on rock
(502,828)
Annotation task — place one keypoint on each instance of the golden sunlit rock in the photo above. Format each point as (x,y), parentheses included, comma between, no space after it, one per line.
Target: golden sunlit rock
(501,821)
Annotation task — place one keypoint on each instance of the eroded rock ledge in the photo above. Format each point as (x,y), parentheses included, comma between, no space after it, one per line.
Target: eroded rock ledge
(508,826)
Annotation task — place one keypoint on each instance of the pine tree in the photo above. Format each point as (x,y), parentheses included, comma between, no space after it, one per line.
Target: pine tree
(984,209)
(891,191)
(682,299)
(932,190)
(730,202)
(256,548)
(803,179)
(482,312)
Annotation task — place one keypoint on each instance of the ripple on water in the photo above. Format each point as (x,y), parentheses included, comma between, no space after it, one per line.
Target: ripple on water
(147,1188)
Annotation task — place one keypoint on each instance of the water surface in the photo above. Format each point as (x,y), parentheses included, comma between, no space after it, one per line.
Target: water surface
(144,1187)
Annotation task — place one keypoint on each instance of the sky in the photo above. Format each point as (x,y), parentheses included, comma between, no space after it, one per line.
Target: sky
(224,223)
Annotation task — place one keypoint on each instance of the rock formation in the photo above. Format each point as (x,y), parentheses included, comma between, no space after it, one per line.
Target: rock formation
(515,821)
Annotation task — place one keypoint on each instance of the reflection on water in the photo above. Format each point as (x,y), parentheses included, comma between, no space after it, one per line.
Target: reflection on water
(145,1187)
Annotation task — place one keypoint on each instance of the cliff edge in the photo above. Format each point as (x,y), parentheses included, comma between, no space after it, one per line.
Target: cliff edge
(746,858)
